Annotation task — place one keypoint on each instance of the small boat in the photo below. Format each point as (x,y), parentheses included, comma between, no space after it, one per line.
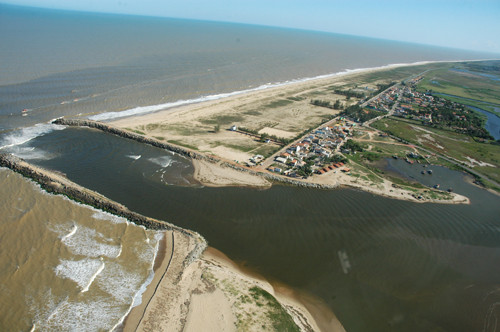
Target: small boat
(395,157)
(24,112)
(436,186)
(429,171)
(450,190)
(423,172)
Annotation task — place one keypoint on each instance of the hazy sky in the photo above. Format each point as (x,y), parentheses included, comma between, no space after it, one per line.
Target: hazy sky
(468,24)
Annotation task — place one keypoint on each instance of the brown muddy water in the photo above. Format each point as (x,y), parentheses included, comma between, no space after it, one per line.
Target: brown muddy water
(62,260)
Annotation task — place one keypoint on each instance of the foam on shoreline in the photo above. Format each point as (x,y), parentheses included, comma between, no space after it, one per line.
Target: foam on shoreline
(141,110)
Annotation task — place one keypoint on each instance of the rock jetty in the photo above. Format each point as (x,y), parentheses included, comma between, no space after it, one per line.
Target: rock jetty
(58,184)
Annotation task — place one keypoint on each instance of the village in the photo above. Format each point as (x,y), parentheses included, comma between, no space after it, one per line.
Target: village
(317,152)
(407,102)
(323,150)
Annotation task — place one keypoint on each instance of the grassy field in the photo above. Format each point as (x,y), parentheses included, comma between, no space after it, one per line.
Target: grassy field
(460,147)
(476,103)
(459,81)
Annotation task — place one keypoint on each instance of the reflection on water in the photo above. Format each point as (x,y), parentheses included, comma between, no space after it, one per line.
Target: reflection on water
(402,266)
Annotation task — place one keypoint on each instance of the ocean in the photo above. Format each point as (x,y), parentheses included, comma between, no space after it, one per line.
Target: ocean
(68,266)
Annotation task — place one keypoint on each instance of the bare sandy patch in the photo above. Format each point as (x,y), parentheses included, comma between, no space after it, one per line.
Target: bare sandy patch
(214,175)
(210,312)
(213,294)
(383,187)
(473,162)
(277,132)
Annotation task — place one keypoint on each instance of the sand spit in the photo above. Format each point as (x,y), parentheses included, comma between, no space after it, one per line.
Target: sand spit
(213,294)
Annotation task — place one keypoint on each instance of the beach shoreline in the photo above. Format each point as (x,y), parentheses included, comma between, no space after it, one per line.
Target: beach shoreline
(227,167)
(201,299)
(151,109)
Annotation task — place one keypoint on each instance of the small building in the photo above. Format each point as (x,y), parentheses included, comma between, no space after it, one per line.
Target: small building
(281,160)
(233,128)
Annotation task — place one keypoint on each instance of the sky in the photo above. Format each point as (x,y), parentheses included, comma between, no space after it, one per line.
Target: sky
(465,24)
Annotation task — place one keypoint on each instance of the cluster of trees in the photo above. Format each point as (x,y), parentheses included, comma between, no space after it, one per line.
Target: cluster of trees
(457,117)
(265,136)
(360,114)
(337,158)
(350,93)
(324,103)
(353,146)
(382,87)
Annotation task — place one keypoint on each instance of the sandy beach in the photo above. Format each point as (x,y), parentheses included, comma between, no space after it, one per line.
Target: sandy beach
(214,294)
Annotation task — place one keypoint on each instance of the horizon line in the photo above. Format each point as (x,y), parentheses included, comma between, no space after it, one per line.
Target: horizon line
(244,23)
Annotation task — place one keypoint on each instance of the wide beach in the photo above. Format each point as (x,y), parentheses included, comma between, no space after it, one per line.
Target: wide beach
(280,109)
(214,294)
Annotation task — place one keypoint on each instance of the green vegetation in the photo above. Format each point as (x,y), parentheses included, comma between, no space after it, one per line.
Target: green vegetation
(192,147)
(324,103)
(488,107)
(463,81)
(353,146)
(350,93)
(396,74)
(453,116)
(296,98)
(383,86)
(266,150)
(222,120)
(138,132)
(280,319)
(253,112)
(279,103)
(447,142)
(359,114)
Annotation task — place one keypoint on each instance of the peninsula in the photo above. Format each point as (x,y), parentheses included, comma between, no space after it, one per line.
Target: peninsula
(326,133)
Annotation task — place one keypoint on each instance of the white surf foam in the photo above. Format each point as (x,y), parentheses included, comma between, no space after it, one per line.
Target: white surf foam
(154,108)
(24,135)
(135,157)
(92,278)
(70,234)
(30,153)
(163,161)
(100,215)
(83,272)
(90,315)
(87,242)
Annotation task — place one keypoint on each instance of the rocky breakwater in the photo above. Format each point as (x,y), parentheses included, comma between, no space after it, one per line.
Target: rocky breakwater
(58,184)
(134,136)
(186,152)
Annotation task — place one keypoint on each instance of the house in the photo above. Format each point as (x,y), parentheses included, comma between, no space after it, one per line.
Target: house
(281,160)
(275,169)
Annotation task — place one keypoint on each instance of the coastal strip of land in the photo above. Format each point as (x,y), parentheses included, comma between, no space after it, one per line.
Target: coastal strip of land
(212,170)
(296,134)
(194,288)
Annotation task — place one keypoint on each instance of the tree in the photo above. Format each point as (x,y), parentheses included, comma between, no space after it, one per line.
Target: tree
(337,105)
(264,137)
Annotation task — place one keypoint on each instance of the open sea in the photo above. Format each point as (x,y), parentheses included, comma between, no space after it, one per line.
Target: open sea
(66,266)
